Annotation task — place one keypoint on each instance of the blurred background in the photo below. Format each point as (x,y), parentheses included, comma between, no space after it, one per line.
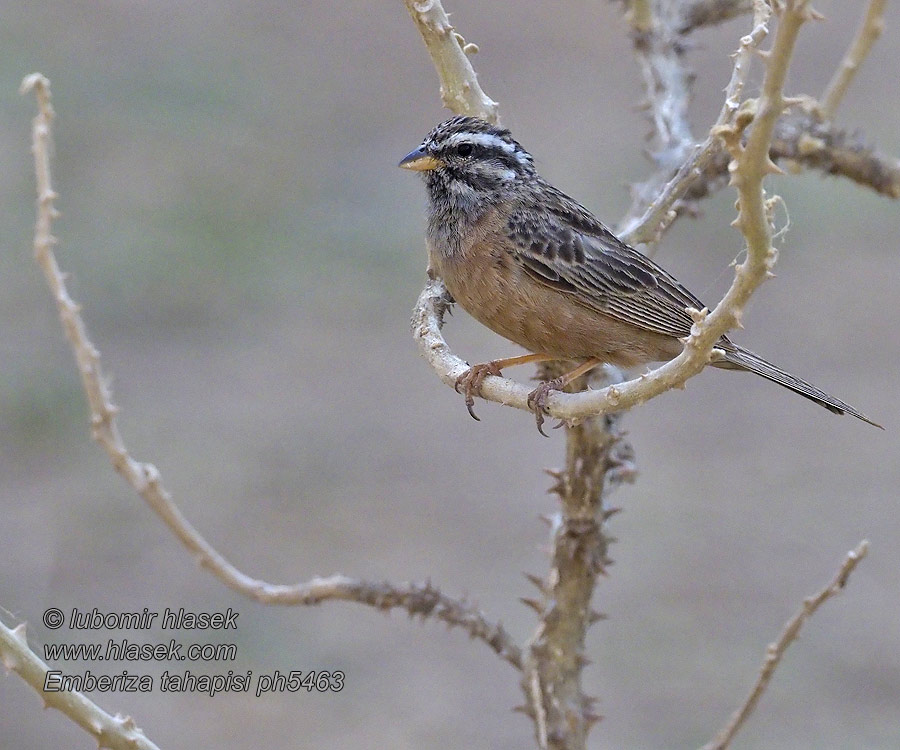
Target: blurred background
(247,255)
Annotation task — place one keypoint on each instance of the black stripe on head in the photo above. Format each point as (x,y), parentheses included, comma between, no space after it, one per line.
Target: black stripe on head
(468,140)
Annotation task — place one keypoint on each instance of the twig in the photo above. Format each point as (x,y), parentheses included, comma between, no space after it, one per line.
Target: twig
(116,732)
(789,634)
(869,30)
(417,599)
(460,91)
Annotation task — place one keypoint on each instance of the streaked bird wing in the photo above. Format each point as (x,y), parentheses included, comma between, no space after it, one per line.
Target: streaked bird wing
(569,249)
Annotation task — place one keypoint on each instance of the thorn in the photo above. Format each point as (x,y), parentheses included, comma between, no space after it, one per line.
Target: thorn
(614,395)
(591,718)
(537,581)
(610,512)
(698,316)
(558,489)
(546,519)
(583,661)
(555,473)
(523,709)
(533,603)
(812,14)
(723,131)
(770,167)
(595,616)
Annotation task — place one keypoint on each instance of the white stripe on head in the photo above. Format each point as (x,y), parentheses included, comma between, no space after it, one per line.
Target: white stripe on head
(523,158)
(489,140)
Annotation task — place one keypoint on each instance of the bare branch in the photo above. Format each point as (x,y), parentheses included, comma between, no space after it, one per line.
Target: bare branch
(869,30)
(789,634)
(116,732)
(424,600)
(696,13)
(460,90)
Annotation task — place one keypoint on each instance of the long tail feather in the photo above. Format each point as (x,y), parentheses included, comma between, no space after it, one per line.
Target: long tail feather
(738,358)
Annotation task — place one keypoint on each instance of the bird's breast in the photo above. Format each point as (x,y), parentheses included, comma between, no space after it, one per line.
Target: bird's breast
(492,286)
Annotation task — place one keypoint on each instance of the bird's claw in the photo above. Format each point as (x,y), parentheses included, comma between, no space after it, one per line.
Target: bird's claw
(537,402)
(471,381)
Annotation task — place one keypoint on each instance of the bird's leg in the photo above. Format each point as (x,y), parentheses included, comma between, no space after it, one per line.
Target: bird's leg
(472,378)
(537,399)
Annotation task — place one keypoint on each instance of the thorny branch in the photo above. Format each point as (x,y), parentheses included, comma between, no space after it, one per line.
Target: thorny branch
(806,139)
(460,90)
(551,677)
(803,140)
(417,599)
(596,456)
(597,460)
(645,222)
(115,732)
(789,634)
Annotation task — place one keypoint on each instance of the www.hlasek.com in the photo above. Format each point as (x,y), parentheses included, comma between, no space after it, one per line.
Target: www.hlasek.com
(123,649)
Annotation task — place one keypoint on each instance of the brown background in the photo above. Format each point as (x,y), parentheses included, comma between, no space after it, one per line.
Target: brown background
(247,255)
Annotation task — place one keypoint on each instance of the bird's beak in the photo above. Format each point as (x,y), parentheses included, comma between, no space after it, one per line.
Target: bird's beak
(419,161)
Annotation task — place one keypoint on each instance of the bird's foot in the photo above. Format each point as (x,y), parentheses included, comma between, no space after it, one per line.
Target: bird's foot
(471,381)
(537,400)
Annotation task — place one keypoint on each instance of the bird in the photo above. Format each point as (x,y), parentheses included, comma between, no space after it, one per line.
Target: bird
(538,268)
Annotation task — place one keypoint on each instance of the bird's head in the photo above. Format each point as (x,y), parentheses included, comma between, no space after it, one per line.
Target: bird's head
(470,160)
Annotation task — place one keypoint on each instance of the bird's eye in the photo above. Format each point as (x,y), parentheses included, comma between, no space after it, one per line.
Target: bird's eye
(464,149)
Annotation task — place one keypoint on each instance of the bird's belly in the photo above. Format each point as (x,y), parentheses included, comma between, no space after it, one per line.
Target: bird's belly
(543,319)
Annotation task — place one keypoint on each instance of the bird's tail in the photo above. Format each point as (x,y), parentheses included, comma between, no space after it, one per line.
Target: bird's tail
(738,358)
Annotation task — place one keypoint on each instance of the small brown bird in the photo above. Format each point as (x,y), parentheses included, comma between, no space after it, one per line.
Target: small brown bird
(535,266)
